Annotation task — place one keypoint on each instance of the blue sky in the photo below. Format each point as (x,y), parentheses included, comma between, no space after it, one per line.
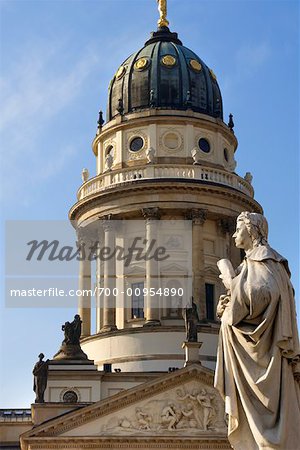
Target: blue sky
(56,61)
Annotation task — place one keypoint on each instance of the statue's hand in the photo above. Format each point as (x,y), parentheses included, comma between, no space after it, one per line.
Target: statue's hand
(223,302)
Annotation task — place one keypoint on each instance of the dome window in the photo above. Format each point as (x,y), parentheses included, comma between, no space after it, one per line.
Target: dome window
(168,61)
(195,65)
(136,144)
(204,145)
(70,397)
(226,155)
(141,64)
(120,72)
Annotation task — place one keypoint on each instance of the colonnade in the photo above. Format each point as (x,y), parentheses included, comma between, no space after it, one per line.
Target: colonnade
(107,316)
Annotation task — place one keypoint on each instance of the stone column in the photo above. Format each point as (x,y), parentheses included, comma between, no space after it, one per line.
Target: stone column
(226,227)
(152,303)
(85,285)
(198,216)
(99,299)
(109,275)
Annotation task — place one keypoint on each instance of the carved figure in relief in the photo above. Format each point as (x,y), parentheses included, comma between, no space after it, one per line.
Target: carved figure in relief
(204,410)
(169,416)
(143,419)
(205,403)
(258,342)
(125,423)
(188,418)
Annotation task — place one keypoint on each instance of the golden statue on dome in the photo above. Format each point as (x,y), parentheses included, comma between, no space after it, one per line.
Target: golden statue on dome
(162,8)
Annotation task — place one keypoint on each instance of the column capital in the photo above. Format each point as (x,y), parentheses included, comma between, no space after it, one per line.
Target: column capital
(197,215)
(86,239)
(226,225)
(151,213)
(107,222)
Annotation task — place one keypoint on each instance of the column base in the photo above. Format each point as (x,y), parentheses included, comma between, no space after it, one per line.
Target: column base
(107,328)
(152,323)
(191,352)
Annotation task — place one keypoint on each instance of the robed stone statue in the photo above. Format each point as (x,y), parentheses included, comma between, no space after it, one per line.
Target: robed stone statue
(258,344)
(191,320)
(70,348)
(72,331)
(40,376)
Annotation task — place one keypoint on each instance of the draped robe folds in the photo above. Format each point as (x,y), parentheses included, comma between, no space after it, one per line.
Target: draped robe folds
(258,338)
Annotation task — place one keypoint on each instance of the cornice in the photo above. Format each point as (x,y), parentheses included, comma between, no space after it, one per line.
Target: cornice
(214,442)
(162,329)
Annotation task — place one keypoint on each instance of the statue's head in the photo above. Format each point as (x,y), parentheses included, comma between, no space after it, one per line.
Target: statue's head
(77,317)
(41,355)
(251,230)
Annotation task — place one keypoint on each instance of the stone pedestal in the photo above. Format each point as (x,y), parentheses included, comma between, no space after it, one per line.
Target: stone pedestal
(191,352)
(78,379)
(70,352)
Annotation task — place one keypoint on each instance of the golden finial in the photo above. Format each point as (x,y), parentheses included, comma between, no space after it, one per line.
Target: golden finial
(162,8)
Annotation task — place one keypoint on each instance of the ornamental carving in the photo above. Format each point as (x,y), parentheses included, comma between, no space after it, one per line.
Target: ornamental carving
(188,410)
(198,216)
(141,154)
(64,395)
(151,213)
(210,138)
(226,225)
(171,141)
(107,223)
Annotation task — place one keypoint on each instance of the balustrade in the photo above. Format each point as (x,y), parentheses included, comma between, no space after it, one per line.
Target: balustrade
(217,176)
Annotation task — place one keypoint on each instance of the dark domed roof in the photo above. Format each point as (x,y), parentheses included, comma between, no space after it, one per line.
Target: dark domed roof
(164,74)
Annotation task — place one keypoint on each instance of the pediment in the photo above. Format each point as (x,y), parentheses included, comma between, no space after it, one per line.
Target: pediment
(174,268)
(183,403)
(134,269)
(213,271)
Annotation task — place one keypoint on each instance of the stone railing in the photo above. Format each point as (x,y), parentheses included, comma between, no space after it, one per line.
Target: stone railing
(15,415)
(201,173)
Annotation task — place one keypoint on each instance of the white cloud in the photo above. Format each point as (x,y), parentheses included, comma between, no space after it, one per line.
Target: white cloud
(34,90)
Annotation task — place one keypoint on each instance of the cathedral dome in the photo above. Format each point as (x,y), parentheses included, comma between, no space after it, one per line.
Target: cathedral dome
(164,74)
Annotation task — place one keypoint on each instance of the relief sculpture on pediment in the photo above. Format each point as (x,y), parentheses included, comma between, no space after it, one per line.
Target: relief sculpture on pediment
(193,410)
